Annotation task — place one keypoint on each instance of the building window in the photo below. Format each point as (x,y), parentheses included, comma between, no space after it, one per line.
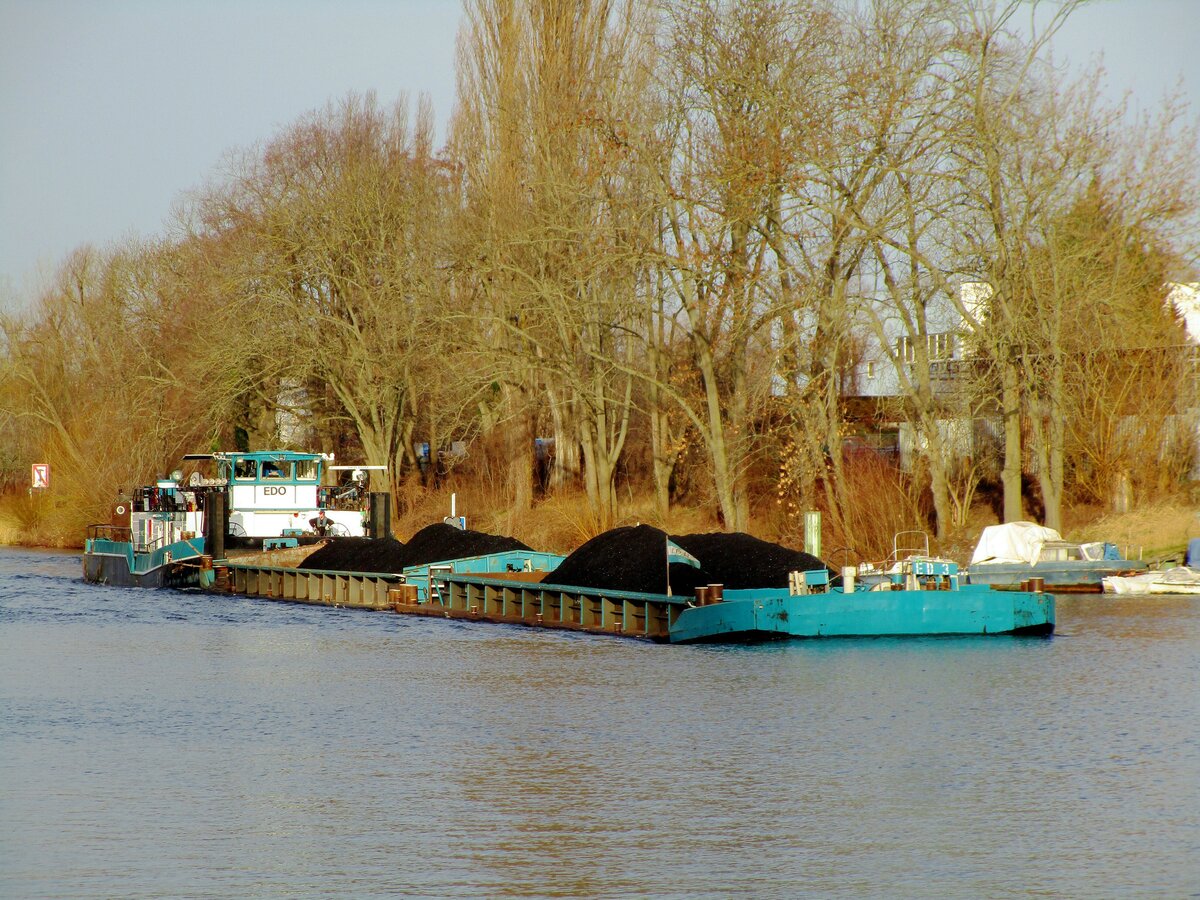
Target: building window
(941,346)
(870,370)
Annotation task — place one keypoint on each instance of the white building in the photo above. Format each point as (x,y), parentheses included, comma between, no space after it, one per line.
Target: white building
(1185,299)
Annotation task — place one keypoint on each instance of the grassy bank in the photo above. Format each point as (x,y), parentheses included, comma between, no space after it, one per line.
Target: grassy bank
(561,522)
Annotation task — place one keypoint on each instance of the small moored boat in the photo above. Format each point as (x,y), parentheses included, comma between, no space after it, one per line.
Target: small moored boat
(1179,580)
(1011,554)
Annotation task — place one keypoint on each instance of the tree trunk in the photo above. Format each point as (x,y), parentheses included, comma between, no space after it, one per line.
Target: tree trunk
(939,484)
(662,455)
(565,469)
(662,458)
(723,472)
(1010,475)
(518,445)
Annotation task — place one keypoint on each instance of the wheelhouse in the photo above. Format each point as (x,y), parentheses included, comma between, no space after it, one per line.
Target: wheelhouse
(276,493)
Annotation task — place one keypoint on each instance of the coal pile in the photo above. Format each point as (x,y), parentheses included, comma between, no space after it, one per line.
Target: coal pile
(739,560)
(631,558)
(358,554)
(440,542)
(434,543)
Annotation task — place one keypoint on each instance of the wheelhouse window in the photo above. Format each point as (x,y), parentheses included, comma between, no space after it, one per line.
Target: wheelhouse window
(245,469)
(273,469)
(306,470)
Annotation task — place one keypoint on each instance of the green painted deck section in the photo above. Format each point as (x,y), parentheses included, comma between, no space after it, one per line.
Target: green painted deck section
(486,564)
(353,590)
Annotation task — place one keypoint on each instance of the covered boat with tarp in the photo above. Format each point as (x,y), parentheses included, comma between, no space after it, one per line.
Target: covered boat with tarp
(1009,555)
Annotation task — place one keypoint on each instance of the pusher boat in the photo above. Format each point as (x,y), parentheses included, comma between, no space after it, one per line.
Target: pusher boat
(167,534)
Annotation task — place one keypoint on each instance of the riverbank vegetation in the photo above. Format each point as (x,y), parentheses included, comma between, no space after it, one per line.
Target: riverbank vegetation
(702,265)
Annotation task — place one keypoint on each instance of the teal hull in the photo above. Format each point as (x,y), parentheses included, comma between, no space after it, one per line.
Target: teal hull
(742,615)
(765,615)
(118,563)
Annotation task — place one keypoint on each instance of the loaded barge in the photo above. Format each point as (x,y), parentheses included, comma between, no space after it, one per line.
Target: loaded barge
(175,534)
(922,598)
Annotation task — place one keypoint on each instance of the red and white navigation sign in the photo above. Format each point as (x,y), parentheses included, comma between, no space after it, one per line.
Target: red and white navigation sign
(41,475)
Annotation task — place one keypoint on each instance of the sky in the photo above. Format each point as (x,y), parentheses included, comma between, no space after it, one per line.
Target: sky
(111,110)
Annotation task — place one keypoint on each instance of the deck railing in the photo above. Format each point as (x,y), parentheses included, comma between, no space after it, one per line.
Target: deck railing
(115,533)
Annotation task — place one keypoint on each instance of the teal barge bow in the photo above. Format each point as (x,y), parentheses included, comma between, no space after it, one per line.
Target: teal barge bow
(765,615)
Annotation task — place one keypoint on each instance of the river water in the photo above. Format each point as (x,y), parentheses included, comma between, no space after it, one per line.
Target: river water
(173,744)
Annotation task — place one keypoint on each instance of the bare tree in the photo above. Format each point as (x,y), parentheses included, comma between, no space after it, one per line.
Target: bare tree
(1119,361)
(882,194)
(1032,148)
(1008,179)
(727,143)
(560,276)
(106,376)
(338,222)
